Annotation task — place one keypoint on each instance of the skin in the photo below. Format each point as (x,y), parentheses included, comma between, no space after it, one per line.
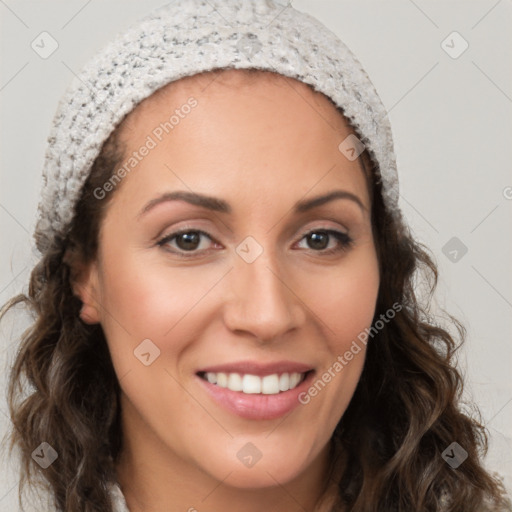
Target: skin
(261,145)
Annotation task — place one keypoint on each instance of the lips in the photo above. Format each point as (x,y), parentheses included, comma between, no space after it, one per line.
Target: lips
(255,390)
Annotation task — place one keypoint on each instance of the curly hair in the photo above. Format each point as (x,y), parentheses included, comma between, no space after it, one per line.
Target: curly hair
(405,412)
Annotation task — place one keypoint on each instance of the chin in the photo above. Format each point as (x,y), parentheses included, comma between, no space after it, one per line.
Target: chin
(262,475)
(278,467)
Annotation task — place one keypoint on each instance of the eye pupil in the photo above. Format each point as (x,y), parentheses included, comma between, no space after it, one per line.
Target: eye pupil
(318,243)
(191,239)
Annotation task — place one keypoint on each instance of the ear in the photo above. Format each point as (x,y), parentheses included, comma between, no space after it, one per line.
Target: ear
(84,281)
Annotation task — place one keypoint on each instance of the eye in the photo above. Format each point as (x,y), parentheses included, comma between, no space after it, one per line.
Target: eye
(187,240)
(319,240)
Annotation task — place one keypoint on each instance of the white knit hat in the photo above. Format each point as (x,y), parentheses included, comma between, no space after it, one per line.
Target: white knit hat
(184,38)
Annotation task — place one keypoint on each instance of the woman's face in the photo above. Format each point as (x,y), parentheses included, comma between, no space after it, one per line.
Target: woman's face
(264,283)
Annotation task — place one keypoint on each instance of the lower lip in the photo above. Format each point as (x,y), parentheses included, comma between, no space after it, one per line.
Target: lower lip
(257,406)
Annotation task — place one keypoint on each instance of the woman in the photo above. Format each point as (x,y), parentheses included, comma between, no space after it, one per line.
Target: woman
(225,309)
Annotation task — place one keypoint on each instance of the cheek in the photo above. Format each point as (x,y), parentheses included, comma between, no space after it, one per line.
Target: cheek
(346,300)
(344,304)
(144,299)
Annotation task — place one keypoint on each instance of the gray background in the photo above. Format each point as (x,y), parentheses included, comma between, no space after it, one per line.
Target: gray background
(451,120)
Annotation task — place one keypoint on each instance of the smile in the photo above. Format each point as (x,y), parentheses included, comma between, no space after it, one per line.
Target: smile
(253,384)
(256,391)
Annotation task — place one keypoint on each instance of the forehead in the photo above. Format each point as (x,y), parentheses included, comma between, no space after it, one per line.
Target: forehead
(234,84)
(253,128)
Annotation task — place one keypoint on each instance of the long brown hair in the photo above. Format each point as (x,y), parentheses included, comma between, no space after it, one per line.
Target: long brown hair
(405,411)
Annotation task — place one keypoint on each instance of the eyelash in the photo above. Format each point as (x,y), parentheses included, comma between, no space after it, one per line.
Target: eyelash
(345,240)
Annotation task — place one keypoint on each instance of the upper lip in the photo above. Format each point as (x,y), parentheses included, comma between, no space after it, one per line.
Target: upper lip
(257,368)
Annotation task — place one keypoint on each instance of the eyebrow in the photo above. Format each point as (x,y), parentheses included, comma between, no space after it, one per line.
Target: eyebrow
(219,205)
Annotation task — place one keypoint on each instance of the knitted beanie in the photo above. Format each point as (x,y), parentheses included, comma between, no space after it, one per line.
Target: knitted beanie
(187,37)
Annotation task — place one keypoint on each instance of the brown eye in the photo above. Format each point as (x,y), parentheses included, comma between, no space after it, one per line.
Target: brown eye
(184,241)
(318,240)
(188,241)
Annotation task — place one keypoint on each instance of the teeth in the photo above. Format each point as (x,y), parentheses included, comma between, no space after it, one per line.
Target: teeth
(222,380)
(253,384)
(270,385)
(284,382)
(211,378)
(235,382)
(294,380)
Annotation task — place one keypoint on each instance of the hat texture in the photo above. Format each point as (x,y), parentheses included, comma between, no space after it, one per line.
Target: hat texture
(187,37)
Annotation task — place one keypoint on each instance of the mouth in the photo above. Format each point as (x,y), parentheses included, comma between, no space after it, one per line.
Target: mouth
(250,384)
(256,392)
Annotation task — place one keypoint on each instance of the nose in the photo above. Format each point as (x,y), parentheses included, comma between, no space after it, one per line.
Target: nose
(262,301)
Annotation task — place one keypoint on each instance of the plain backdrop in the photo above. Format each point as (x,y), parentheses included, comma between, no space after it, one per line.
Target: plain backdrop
(452,126)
